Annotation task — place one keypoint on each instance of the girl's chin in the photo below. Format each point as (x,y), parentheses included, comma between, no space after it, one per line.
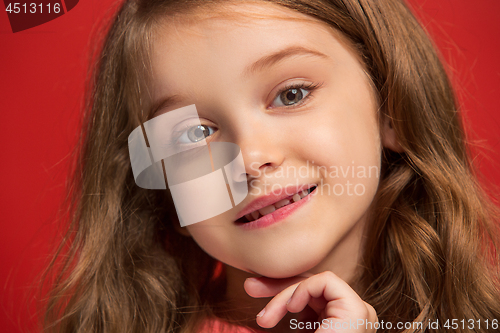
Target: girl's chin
(282,270)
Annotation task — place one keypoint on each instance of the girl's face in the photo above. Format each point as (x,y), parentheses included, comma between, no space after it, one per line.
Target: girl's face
(295,98)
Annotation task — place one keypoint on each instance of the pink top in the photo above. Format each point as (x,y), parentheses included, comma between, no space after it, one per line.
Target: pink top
(215,325)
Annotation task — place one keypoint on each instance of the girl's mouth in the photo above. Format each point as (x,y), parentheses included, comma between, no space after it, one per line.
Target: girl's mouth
(277,206)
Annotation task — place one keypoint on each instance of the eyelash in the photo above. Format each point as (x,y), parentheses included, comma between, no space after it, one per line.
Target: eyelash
(309,87)
(184,129)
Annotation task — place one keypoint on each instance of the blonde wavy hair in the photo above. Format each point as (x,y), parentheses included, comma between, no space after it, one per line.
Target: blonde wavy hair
(433,252)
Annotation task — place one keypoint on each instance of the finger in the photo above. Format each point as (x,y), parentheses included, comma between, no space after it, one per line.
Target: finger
(317,304)
(372,314)
(328,286)
(350,322)
(276,309)
(267,287)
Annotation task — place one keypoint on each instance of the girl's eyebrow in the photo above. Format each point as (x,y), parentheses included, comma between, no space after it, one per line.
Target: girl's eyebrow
(273,58)
(164,103)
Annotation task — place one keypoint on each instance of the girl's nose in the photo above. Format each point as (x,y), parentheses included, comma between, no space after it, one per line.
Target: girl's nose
(261,154)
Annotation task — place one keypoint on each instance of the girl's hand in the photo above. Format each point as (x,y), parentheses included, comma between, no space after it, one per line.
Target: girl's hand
(339,308)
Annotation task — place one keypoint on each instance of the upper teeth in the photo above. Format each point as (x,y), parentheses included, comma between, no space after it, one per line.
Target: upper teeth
(271,208)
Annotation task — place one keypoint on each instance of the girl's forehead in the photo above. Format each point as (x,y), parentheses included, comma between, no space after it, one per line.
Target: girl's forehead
(236,13)
(223,24)
(225,44)
(244,23)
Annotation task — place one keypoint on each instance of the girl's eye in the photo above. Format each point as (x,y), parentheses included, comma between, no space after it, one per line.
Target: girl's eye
(196,133)
(290,96)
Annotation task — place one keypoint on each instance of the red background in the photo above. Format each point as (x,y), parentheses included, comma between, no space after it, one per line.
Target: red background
(42,72)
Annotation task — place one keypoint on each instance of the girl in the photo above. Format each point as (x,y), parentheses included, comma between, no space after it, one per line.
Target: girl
(343,106)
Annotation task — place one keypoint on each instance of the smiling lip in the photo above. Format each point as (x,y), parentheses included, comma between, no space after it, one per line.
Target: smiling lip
(270,199)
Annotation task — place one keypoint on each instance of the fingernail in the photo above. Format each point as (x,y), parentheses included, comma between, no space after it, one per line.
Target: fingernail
(289,300)
(252,279)
(261,313)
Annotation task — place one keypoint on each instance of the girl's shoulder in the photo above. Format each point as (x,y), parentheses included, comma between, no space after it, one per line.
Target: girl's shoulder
(216,325)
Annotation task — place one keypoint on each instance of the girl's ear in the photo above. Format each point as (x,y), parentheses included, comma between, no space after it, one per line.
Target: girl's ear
(389,138)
